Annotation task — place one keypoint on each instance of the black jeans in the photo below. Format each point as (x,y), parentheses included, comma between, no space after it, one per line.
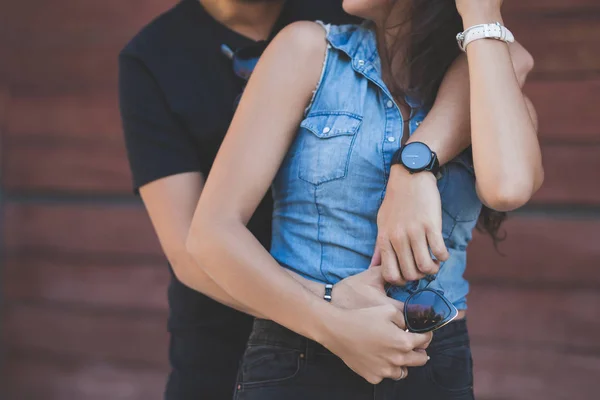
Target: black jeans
(281,365)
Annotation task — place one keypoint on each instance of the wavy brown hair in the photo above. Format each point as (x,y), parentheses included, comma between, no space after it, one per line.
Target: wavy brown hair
(423,51)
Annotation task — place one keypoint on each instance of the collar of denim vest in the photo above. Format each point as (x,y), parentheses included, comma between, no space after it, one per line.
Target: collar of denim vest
(360,44)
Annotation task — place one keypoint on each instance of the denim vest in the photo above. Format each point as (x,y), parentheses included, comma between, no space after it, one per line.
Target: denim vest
(332,181)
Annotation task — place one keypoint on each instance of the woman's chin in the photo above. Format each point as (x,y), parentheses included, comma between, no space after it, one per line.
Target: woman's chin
(366,9)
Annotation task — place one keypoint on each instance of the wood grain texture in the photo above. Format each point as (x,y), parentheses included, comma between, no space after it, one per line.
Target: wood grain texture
(571,175)
(104,284)
(527,373)
(75,21)
(99,336)
(549,6)
(557,102)
(79,229)
(87,165)
(59,69)
(539,251)
(564,46)
(35,378)
(542,318)
(69,116)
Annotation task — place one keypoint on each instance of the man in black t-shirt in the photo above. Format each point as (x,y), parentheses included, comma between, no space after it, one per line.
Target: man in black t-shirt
(177,92)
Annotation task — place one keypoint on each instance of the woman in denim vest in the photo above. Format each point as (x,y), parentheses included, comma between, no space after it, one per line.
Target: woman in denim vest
(328,153)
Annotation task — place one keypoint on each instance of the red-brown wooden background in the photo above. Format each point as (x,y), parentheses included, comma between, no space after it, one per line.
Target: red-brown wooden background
(83,280)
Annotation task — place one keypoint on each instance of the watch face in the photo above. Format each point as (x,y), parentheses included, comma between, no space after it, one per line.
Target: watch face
(416,156)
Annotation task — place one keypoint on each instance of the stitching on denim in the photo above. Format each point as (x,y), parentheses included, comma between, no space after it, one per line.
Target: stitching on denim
(255,384)
(319,212)
(341,112)
(323,68)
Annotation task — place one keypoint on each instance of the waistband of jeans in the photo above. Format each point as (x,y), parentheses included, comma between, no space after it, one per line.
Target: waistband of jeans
(269,333)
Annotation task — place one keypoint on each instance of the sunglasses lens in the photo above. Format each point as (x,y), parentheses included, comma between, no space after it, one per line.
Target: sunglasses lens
(246,59)
(426,310)
(243,67)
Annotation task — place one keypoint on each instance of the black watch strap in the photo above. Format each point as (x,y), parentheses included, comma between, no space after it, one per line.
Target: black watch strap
(434,167)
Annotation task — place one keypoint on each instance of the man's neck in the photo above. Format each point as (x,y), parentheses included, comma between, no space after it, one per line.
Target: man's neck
(251,18)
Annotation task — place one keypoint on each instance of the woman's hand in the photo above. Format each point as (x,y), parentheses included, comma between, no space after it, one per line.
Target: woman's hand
(373,343)
(410,224)
(363,290)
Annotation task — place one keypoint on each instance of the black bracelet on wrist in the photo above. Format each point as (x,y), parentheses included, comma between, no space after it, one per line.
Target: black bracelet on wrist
(328,291)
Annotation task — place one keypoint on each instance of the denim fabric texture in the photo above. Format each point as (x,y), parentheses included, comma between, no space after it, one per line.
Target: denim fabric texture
(332,181)
(280,364)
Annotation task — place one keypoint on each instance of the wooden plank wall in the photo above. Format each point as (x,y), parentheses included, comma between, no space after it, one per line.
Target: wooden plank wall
(83,279)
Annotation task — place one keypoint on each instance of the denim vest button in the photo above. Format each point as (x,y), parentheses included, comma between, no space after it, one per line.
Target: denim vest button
(391,139)
(361,62)
(390,104)
(326,129)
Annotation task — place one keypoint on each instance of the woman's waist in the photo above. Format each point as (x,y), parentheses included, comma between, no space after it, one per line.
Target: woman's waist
(269,333)
(323,263)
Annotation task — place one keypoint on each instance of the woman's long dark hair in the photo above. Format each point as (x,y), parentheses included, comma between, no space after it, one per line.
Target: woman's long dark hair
(425,57)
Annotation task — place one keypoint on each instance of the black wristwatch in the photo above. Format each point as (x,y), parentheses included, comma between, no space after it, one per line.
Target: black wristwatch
(417,157)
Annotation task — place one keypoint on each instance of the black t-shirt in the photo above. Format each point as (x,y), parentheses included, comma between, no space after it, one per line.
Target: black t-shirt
(177,92)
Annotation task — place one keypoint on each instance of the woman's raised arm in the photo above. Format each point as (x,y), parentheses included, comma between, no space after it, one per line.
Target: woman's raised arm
(506,151)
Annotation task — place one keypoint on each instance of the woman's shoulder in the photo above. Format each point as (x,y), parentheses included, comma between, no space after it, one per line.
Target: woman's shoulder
(302,35)
(302,40)
(308,33)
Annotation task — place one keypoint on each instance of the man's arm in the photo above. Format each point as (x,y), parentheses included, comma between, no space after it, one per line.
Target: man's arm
(410,219)
(170,203)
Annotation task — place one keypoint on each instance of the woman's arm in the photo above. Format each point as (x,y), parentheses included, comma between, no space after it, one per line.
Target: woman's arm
(410,218)
(369,341)
(506,151)
(170,203)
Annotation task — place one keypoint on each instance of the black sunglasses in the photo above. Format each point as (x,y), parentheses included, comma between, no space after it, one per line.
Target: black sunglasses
(427,309)
(244,61)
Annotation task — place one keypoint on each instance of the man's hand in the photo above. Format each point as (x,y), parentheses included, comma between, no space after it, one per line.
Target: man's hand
(410,224)
(363,290)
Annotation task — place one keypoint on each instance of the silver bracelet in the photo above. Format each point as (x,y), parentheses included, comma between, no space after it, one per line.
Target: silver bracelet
(328,292)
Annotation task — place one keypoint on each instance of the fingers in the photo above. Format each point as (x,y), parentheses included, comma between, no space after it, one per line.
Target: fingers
(418,340)
(397,317)
(376,260)
(408,267)
(423,260)
(389,263)
(399,373)
(415,359)
(435,240)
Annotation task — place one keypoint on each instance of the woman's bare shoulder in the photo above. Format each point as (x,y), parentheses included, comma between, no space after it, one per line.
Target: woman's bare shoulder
(303,40)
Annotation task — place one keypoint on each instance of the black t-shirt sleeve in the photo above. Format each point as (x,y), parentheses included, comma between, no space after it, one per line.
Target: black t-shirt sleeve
(157,145)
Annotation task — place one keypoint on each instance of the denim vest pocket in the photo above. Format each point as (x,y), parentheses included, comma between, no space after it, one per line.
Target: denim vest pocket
(327,139)
(460,203)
